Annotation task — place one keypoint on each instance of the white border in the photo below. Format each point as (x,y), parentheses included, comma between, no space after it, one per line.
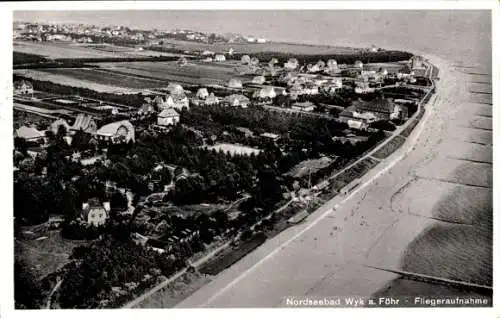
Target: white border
(6,228)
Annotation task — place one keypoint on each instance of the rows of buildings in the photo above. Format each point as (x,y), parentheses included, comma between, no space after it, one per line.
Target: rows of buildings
(85,34)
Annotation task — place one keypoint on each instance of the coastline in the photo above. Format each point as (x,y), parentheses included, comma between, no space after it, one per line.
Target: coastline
(315,216)
(211,294)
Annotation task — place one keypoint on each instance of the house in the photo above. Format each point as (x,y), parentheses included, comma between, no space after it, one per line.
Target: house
(304,106)
(54,127)
(292,64)
(265,93)
(212,100)
(247,132)
(120,131)
(175,89)
(182,61)
(29,133)
(245,59)
(219,58)
(332,65)
(261,40)
(202,93)
(168,117)
(382,108)
(207,53)
(237,100)
(259,80)
(23,88)
(313,68)
(358,64)
(84,122)
(235,83)
(94,213)
(333,84)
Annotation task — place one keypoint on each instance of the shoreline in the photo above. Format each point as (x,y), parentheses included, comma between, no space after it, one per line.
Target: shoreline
(443,97)
(315,216)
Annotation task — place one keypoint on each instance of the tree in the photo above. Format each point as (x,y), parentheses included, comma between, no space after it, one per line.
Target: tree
(27,290)
(118,201)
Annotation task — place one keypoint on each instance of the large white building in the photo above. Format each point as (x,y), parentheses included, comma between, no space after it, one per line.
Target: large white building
(168,117)
(120,131)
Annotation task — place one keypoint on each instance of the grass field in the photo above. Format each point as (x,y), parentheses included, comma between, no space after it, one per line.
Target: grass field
(352,173)
(192,73)
(235,149)
(389,147)
(75,51)
(99,77)
(258,47)
(93,80)
(309,166)
(22,58)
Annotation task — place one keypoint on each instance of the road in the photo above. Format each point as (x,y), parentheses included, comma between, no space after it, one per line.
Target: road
(328,254)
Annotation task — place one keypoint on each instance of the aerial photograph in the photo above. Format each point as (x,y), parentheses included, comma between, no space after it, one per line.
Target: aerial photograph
(252,158)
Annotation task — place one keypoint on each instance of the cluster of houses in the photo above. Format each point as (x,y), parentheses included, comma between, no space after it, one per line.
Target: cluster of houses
(115,132)
(23,88)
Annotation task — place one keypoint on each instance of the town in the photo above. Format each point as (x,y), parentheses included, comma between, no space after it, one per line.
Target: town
(156,156)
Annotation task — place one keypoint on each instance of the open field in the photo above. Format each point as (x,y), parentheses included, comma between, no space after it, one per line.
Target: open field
(193,73)
(53,50)
(45,256)
(175,291)
(126,51)
(390,147)
(258,47)
(235,149)
(309,166)
(93,80)
(95,75)
(23,58)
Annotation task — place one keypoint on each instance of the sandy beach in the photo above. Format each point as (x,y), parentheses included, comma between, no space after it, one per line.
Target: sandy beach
(396,205)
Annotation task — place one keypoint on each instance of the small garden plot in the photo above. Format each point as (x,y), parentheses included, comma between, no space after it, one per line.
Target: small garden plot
(309,167)
(235,149)
(389,147)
